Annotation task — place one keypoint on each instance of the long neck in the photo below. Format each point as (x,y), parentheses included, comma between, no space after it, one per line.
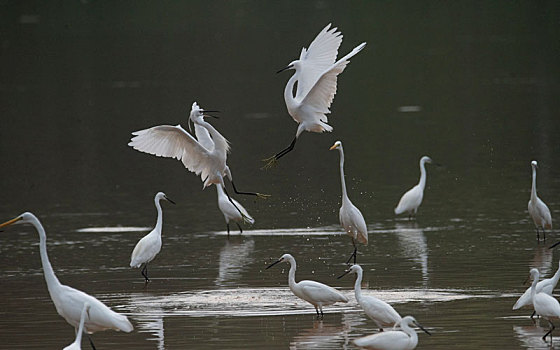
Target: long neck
(220,143)
(289,92)
(50,277)
(220,190)
(342,179)
(159,222)
(292,275)
(408,330)
(556,277)
(422,181)
(534,186)
(358,286)
(534,286)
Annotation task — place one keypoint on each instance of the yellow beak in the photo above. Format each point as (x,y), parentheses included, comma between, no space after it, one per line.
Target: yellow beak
(332,147)
(13,221)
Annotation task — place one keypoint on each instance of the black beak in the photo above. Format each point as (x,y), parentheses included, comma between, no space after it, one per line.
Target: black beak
(274,263)
(344,274)
(422,328)
(169,200)
(285,68)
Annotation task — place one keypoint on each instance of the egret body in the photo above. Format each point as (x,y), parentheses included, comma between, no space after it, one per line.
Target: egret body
(232,211)
(77,344)
(545,305)
(404,339)
(537,208)
(411,200)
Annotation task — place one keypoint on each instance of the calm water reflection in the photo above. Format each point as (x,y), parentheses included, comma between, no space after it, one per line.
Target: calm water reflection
(475,86)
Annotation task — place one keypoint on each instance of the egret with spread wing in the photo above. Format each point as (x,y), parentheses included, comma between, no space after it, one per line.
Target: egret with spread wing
(316,76)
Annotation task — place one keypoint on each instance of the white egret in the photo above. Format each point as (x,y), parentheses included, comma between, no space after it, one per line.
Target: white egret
(203,157)
(149,246)
(315,293)
(537,208)
(379,311)
(545,305)
(404,339)
(69,302)
(411,200)
(316,76)
(77,344)
(235,211)
(545,286)
(350,216)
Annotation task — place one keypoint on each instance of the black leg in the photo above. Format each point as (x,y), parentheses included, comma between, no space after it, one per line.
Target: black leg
(353,254)
(227,225)
(259,195)
(549,331)
(538,237)
(272,160)
(532,315)
(544,234)
(91,343)
(240,229)
(145,272)
(231,201)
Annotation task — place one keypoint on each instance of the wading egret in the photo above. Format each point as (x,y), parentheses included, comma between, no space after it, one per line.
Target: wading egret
(405,339)
(350,217)
(234,211)
(315,293)
(316,76)
(379,311)
(77,344)
(537,209)
(411,200)
(545,305)
(545,286)
(149,246)
(69,302)
(204,158)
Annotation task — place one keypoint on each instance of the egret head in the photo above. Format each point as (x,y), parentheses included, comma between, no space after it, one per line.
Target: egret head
(293,65)
(337,145)
(534,164)
(535,274)
(26,217)
(198,114)
(409,320)
(161,195)
(353,269)
(426,159)
(285,257)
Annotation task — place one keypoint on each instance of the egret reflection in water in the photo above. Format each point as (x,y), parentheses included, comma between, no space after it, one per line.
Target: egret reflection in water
(543,260)
(235,257)
(326,335)
(531,337)
(413,243)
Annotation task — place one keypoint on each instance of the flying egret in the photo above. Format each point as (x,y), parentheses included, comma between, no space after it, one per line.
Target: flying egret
(77,344)
(411,200)
(68,301)
(404,339)
(234,211)
(149,246)
(545,286)
(379,311)
(202,157)
(545,305)
(315,293)
(350,217)
(316,76)
(537,208)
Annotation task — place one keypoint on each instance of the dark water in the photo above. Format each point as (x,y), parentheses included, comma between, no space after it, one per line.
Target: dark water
(473,85)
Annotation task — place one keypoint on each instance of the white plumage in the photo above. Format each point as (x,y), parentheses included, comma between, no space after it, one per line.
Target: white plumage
(537,208)
(150,245)
(232,211)
(316,76)
(545,286)
(411,200)
(315,293)
(77,344)
(405,339)
(379,311)
(350,216)
(69,302)
(545,305)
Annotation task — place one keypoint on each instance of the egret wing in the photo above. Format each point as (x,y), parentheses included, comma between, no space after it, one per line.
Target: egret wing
(319,292)
(319,57)
(173,142)
(384,340)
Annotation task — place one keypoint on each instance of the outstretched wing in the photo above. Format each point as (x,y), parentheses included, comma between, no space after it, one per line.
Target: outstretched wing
(320,56)
(322,93)
(172,142)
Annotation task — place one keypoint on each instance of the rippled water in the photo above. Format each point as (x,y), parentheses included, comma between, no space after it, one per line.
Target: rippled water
(474,87)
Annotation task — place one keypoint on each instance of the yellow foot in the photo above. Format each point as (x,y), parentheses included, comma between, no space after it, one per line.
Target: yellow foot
(270,163)
(262,195)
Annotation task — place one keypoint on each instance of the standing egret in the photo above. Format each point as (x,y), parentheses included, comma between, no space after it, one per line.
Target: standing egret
(69,302)
(204,158)
(149,246)
(411,200)
(545,305)
(379,311)
(545,286)
(537,208)
(350,217)
(405,339)
(315,293)
(234,211)
(316,76)
(77,344)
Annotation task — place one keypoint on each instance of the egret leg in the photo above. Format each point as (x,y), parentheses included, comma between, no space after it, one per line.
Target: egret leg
(91,343)
(549,331)
(538,237)
(317,311)
(240,229)
(270,162)
(353,254)
(544,234)
(231,201)
(227,225)
(145,272)
(258,195)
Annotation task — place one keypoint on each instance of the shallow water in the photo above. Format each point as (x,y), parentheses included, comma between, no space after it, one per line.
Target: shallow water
(474,87)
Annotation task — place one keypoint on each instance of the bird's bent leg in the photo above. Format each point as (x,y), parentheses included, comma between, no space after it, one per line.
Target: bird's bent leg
(532,315)
(91,343)
(258,195)
(270,162)
(240,229)
(145,272)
